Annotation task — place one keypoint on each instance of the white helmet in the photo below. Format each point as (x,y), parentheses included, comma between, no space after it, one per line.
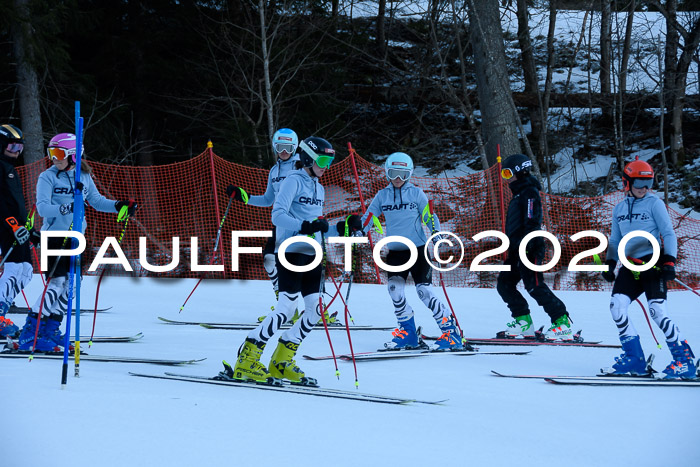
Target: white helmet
(285,139)
(398,165)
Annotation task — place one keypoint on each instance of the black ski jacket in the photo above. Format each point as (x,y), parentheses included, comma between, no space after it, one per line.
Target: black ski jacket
(11,195)
(524,213)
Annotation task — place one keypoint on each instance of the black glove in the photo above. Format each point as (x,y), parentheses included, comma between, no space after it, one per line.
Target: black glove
(66,209)
(22,235)
(132,206)
(609,275)
(236,192)
(79,186)
(34,237)
(319,225)
(535,248)
(668,268)
(354,223)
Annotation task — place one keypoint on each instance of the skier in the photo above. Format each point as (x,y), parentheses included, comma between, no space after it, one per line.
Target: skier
(296,211)
(284,145)
(524,216)
(643,210)
(405,208)
(13,242)
(54,202)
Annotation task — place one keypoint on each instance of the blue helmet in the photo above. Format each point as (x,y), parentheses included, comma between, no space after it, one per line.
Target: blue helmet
(285,139)
(399,165)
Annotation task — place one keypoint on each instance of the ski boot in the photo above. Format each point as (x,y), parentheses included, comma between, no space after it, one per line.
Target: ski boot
(331,319)
(26,337)
(405,337)
(7,327)
(683,364)
(450,340)
(283,366)
(560,330)
(631,362)
(248,366)
(521,327)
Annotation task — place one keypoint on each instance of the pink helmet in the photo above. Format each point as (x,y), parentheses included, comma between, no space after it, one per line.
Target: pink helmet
(61,146)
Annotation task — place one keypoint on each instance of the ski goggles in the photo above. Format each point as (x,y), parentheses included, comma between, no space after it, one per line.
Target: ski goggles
(284,147)
(642,182)
(324,161)
(15,147)
(59,154)
(403,174)
(507,174)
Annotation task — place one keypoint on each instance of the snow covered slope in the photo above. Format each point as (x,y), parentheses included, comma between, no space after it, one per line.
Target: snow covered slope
(107,418)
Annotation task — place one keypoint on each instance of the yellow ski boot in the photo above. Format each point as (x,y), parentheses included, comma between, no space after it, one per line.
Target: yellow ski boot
(248,366)
(283,366)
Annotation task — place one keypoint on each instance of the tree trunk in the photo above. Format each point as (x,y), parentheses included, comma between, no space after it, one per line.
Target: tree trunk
(605,54)
(527,61)
(498,124)
(27,85)
(626,48)
(266,73)
(381,34)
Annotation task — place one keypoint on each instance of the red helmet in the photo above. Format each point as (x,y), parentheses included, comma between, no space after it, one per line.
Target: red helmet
(634,170)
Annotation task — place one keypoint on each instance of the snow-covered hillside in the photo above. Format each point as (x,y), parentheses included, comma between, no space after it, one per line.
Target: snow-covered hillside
(107,418)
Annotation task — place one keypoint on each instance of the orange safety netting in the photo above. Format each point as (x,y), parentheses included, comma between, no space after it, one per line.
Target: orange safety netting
(188,199)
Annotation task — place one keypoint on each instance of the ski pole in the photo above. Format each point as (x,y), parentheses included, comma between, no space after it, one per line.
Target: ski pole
(74,270)
(12,222)
(599,262)
(321,291)
(431,208)
(649,323)
(43,297)
(216,246)
(347,329)
(687,287)
(104,270)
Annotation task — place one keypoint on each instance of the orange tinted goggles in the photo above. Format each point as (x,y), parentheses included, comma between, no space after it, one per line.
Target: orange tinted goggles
(59,154)
(507,174)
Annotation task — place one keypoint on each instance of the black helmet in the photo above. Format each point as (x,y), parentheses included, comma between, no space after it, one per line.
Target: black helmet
(315,149)
(515,165)
(10,134)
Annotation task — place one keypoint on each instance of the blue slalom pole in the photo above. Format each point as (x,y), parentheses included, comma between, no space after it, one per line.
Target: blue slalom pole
(78,209)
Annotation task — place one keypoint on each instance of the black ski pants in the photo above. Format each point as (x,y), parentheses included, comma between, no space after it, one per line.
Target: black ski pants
(535,286)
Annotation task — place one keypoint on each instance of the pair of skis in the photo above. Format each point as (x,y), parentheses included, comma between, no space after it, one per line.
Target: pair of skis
(249,326)
(96,358)
(537,341)
(399,354)
(287,387)
(605,378)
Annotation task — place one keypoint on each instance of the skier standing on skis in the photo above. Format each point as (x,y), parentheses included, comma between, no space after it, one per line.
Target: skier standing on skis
(643,210)
(296,211)
(284,145)
(14,242)
(405,209)
(524,216)
(54,202)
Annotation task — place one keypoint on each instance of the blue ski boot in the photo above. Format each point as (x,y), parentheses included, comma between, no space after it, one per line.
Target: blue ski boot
(51,329)
(405,337)
(7,327)
(631,362)
(26,337)
(683,364)
(450,340)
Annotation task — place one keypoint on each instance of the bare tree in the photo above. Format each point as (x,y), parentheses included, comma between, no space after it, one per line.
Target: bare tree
(27,84)
(527,61)
(605,53)
(493,88)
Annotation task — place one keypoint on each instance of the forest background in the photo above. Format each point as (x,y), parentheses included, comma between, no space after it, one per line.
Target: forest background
(443,80)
